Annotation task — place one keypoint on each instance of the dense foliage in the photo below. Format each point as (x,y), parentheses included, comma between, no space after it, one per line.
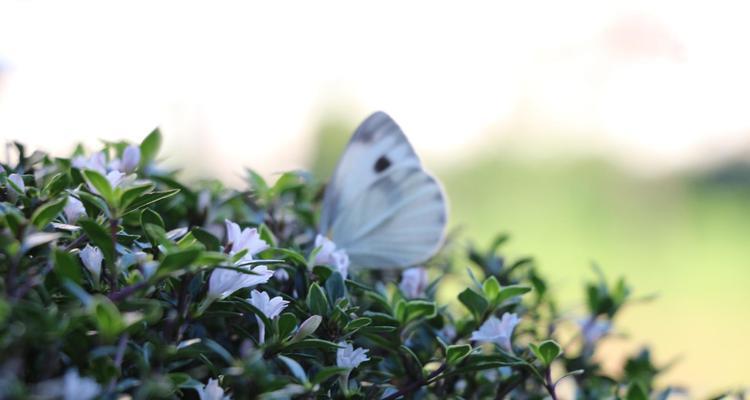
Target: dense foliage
(116,278)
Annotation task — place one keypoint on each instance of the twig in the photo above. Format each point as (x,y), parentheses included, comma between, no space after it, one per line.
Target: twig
(119,356)
(113,225)
(548,384)
(32,281)
(76,242)
(123,293)
(416,385)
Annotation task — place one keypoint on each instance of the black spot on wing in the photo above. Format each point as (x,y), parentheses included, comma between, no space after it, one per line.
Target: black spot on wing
(382,164)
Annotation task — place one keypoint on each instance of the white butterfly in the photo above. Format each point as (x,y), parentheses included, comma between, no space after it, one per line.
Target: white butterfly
(380,205)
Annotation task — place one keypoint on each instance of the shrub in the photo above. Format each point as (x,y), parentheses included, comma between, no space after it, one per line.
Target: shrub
(119,279)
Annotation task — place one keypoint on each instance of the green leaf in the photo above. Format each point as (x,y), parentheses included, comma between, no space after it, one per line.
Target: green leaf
(294,368)
(178,259)
(157,235)
(267,236)
(456,353)
(211,242)
(66,266)
(420,309)
(150,147)
(100,237)
(108,318)
(133,193)
(287,322)
(357,324)
(546,352)
(491,288)
(511,291)
(57,184)
(335,287)
(314,344)
(316,300)
(47,212)
(92,202)
(149,216)
(149,198)
(474,301)
(307,328)
(100,183)
(328,372)
(636,392)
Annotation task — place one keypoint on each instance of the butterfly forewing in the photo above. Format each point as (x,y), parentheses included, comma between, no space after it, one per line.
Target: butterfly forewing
(381,206)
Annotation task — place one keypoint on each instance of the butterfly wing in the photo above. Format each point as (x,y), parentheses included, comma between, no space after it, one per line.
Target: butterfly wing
(380,205)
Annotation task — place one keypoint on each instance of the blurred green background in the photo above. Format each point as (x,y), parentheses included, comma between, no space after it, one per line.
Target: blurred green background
(682,241)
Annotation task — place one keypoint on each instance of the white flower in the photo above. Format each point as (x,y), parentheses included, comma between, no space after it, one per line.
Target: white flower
(281,275)
(594,329)
(246,239)
(270,307)
(97,162)
(414,282)
(92,259)
(211,391)
(328,255)
(224,282)
(497,331)
(131,156)
(73,210)
(349,357)
(18,180)
(76,387)
(115,178)
(70,387)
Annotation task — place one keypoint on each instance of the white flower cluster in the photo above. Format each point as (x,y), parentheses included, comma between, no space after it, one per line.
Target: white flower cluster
(224,282)
(270,307)
(498,331)
(329,255)
(117,169)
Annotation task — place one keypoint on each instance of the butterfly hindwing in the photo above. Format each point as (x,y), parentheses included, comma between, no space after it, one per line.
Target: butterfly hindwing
(380,205)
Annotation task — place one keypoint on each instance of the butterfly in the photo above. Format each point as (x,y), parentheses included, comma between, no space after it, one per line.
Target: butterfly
(380,205)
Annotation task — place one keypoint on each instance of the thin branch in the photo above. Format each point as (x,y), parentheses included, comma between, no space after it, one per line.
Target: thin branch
(123,293)
(76,242)
(416,385)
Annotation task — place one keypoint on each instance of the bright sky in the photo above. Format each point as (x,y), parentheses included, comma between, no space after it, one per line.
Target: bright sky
(656,84)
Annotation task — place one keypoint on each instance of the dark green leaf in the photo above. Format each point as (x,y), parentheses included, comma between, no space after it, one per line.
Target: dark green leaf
(456,353)
(420,309)
(208,240)
(149,216)
(316,300)
(150,147)
(98,235)
(287,322)
(511,291)
(150,198)
(357,324)
(326,373)
(133,193)
(57,184)
(335,287)
(178,259)
(474,301)
(66,266)
(47,212)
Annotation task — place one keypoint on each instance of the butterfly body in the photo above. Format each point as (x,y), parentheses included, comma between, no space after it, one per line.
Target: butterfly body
(381,206)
